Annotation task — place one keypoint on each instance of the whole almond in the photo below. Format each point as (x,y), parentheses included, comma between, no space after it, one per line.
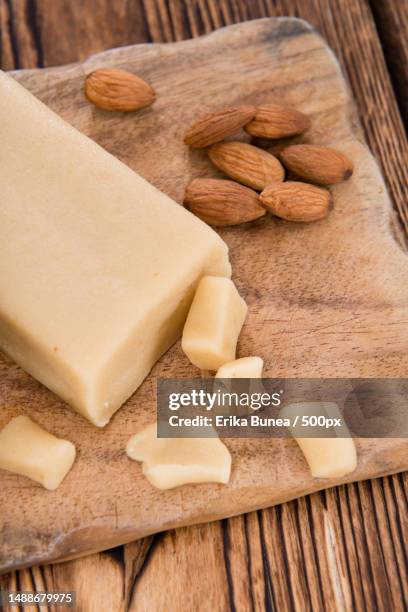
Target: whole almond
(276,121)
(220,202)
(118,90)
(295,201)
(247,164)
(317,164)
(216,126)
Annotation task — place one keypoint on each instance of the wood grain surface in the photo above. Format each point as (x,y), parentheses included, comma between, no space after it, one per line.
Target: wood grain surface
(392,22)
(297,559)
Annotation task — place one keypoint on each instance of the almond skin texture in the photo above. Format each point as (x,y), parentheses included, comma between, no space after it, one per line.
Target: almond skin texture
(219,202)
(215,127)
(276,121)
(118,90)
(317,164)
(295,201)
(247,164)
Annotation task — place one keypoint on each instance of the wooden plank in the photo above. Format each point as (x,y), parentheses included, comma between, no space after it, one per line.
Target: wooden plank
(334,558)
(192,553)
(47,33)
(20,45)
(377,106)
(391,19)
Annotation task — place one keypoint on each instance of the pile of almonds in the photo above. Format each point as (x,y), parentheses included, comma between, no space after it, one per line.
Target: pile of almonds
(222,202)
(252,170)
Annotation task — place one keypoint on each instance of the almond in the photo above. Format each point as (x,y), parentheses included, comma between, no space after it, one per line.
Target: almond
(317,164)
(276,121)
(118,90)
(247,164)
(219,202)
(215,127)
(295,201)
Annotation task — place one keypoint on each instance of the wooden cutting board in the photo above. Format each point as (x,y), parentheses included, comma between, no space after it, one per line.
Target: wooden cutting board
(327,299)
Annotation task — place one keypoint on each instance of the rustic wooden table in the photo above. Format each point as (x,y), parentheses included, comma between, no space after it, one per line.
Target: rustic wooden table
(344,548)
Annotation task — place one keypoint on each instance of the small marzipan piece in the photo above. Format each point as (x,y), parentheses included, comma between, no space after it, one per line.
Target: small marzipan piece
(246,367)
(328,457)
(213,324)
(29,450)
(172,462)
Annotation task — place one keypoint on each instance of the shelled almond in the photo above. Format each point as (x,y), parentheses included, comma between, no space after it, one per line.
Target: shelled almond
(317,164)
(217,126)
(247,164)
(220,202)
(118,90)
(277,121)
(295,201)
